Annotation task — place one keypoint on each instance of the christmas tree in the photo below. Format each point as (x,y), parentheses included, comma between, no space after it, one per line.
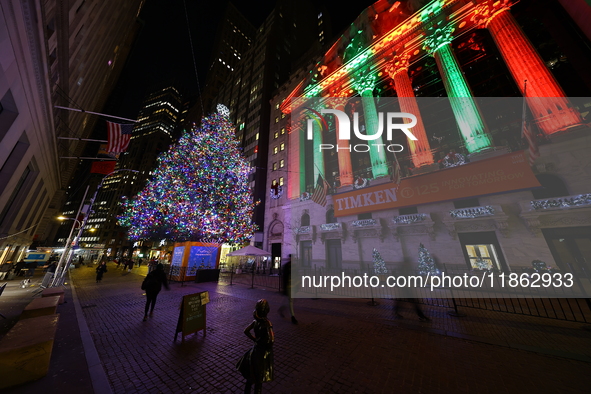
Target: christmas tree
(378,263)
(426,262)
(198,192)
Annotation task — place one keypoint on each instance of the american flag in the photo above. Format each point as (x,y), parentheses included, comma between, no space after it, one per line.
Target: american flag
(319,195)
(533,151)
(397,176)
(119,135)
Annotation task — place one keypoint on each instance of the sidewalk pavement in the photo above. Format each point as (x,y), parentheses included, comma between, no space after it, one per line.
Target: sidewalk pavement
(339,345)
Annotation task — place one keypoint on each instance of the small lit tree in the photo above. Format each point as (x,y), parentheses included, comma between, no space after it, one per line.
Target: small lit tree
(426,262)
(378,263)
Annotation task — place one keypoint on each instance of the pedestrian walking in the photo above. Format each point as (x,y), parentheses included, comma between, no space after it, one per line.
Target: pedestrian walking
(256,365)
(100,270)
(287,290)
(408,293)
(152,284)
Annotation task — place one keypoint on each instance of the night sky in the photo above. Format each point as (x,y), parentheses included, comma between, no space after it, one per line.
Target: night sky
(162,51)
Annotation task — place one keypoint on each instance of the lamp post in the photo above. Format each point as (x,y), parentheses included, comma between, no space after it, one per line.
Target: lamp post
(59,275)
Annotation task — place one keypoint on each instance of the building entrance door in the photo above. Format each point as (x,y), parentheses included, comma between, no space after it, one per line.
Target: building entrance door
(571,248)
(333,254)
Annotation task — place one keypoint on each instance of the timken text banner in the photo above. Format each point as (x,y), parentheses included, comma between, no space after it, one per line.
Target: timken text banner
(495,175)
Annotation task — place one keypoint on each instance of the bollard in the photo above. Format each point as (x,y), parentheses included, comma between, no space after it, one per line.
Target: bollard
(231,274)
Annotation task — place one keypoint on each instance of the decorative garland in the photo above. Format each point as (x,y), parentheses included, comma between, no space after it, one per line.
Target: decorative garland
(453,159)
(360,183)
(305,196)
(276,191)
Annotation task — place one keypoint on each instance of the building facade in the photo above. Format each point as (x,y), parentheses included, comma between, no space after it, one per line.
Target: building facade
(53,54)
(287,33)
(379,200)
(162,112)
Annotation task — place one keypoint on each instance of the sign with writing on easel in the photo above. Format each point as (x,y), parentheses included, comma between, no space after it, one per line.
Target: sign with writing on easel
(192,315)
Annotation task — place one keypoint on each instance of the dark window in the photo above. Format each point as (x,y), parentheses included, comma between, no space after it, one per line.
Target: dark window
(552,186)
(330,216)
(467,203)
(362,216)
(408,211)
(305,220)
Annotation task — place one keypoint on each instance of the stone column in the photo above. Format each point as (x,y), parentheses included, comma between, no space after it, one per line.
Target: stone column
(344,147)
(470,121)
(552,111)
(398,71)
(364,84)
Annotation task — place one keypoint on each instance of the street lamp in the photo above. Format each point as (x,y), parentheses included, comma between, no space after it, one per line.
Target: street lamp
(76,240)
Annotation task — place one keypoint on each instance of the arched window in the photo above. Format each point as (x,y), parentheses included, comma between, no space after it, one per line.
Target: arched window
(330,216)
(552,186)
(305,220)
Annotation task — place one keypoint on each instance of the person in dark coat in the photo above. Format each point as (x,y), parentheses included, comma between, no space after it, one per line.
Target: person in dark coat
(288,288)
(19,266)
(256,365)
(100,270)
(152,285)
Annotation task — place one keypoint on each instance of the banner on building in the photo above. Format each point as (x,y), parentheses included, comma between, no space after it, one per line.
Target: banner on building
(510,172)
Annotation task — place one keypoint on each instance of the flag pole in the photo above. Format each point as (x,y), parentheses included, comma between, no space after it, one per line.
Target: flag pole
(81,139)
(88,158)
(95,113)
(523,109)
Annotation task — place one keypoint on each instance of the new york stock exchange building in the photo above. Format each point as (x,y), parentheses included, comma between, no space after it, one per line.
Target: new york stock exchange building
(458,128)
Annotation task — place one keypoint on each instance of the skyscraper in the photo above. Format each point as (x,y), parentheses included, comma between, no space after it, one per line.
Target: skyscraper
(54,54)
(290,30)
(153,133)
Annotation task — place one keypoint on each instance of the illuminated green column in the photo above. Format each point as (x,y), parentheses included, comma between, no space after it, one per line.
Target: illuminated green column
(364,84)
(468,117)
(318,154)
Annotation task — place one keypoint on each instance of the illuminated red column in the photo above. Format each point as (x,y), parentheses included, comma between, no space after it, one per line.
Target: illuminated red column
(546,99)
(344,148)
(419,149)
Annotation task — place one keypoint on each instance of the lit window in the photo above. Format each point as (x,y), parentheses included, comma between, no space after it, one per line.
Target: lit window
(281,163)
(256,137)
(281,181)
(275,150)
(277,106)
(483,257)
(283,130)
(275,166)
(276,135)
(282,116)
(282,146)
(276,119)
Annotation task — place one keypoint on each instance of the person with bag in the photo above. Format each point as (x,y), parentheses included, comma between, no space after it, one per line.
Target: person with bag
(152,285)
(256,365)
(100,270)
